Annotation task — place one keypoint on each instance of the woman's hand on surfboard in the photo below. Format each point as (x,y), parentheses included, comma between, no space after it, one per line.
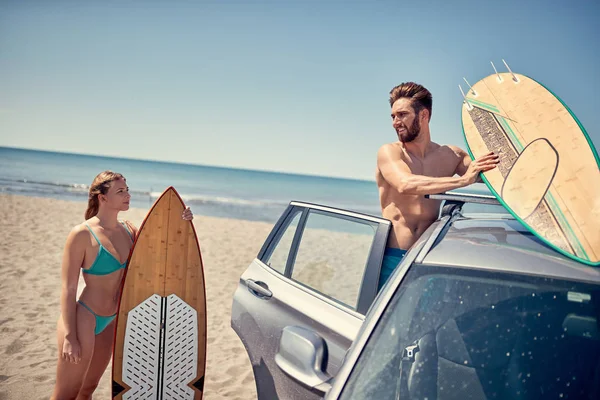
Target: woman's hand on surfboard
(71,350)
(187,214)
(482,164)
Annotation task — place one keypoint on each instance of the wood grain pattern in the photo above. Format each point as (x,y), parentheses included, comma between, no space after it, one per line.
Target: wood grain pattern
(165,260)
(510,118)
(183,275)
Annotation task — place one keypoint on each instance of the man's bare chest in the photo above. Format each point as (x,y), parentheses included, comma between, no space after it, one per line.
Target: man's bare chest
(432,166)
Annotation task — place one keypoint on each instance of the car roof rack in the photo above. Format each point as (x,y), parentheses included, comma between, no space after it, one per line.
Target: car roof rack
(465,197)
(456,200)
(450,212)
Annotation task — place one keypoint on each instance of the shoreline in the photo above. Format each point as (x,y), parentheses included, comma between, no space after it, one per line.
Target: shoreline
(148,198)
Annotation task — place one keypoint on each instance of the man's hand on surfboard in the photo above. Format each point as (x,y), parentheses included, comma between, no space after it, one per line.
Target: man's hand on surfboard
(481,164)
(187,214)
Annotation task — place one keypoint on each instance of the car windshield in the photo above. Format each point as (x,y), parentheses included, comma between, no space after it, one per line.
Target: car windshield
(453,333)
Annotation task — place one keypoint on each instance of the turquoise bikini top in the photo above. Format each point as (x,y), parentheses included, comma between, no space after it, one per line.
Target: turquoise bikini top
(105,263)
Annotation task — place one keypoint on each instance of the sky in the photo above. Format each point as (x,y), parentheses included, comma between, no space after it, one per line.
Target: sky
(288,86)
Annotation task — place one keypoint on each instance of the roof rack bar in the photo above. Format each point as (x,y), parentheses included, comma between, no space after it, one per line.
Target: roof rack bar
(451,215)
(465,197)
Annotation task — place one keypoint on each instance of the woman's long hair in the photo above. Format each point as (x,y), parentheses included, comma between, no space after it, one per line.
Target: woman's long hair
(99,186)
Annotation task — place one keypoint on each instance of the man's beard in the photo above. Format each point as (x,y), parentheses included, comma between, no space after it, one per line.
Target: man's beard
(411,133)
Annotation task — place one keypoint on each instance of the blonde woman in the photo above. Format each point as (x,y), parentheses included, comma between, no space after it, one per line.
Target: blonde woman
(99,248)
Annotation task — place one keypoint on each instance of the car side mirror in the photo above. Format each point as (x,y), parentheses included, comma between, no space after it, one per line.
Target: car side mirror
(301,355)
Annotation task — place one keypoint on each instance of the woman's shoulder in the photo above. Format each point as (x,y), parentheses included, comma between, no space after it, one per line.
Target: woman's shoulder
(129,225)
(127,222)
(79,233)
(81,227)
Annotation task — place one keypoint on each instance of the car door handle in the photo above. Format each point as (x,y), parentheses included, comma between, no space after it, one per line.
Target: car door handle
(259,289)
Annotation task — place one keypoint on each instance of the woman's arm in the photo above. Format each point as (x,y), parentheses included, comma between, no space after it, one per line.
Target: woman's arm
(73,256)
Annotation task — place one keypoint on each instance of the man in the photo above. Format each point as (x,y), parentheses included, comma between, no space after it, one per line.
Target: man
(415,166)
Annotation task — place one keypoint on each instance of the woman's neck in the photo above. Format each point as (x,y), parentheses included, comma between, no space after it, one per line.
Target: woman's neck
(108,218)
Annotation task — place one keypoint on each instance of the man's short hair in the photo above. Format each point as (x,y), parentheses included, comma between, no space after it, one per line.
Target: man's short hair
(419,95)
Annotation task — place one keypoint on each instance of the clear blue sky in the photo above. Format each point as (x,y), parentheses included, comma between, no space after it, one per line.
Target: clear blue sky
(294,86)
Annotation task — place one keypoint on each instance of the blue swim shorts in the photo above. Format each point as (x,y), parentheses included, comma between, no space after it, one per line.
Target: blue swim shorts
(391,259)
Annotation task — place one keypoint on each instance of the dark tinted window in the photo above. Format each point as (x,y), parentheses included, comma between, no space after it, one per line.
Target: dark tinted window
(464,334)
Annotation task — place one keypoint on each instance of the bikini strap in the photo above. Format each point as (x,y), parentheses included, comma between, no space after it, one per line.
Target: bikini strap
(93,234)
(127,229)
(86,306)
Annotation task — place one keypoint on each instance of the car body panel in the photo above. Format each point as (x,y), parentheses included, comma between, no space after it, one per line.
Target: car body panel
(478,242)
(267,301)
(260,322)
(504,245)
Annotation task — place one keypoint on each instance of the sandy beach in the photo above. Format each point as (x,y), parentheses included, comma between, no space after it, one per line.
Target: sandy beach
(32,236)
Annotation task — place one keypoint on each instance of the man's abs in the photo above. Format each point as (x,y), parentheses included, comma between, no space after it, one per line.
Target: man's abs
(410,216)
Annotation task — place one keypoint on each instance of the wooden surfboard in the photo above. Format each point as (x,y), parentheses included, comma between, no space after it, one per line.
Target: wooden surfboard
(160,339)
(549,172)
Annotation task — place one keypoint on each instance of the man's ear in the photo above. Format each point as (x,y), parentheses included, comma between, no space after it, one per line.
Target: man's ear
(424,115)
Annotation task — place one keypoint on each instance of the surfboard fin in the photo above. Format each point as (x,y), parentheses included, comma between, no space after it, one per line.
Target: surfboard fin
(471,87)
(469,106)
(512,73)
(496,71)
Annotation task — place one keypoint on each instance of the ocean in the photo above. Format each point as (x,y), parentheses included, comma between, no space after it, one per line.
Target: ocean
(212,191)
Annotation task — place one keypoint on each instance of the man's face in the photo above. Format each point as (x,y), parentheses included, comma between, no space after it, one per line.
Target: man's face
(405,121)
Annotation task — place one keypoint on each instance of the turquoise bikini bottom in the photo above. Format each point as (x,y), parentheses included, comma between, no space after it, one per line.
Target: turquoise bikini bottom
(101,321)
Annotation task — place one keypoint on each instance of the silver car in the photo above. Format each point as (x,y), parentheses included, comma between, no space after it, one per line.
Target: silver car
(478,309)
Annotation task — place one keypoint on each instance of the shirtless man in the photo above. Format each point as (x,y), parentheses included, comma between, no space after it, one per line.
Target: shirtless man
(415,166)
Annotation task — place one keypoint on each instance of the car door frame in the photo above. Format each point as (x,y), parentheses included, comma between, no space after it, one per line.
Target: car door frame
(368,290)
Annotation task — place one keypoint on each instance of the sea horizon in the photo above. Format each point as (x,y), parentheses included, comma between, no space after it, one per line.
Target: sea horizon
(246,194)
(223,167)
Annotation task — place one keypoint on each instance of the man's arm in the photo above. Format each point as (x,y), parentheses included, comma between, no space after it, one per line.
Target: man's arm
(398,175)
(464,160)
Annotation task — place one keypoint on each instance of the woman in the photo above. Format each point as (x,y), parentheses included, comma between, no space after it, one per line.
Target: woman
(99,247)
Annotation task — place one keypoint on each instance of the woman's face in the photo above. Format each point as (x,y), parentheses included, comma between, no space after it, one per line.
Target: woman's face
(118,196)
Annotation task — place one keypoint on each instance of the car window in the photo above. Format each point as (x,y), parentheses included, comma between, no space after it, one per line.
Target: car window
(332,255)
(280,251)
(450,333)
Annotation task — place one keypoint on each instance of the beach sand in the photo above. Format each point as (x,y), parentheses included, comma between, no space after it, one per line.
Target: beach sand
(32,236)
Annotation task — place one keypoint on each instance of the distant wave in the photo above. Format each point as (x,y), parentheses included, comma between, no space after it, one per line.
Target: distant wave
(220,200)
(203,199)
(26,185)
(59,184)
(139,197)
(80,189)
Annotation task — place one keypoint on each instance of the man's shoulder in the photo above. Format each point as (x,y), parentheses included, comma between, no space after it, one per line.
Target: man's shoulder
(391,145)
(455,148)
(389,152)
(390,149)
